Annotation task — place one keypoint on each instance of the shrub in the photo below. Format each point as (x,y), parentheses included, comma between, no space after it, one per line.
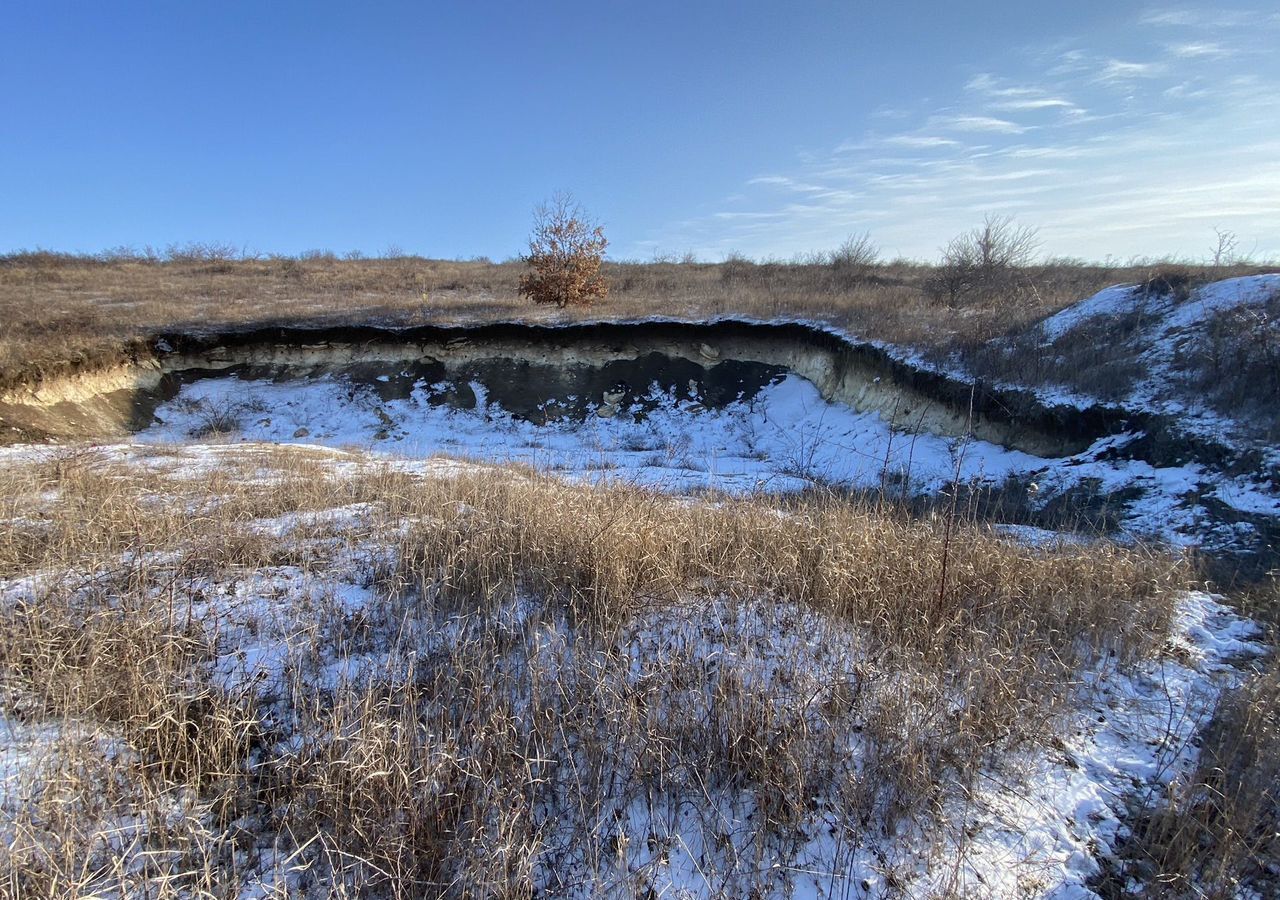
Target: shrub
(219,418)
(853,258)
(565,253)
(1224,252)
(207,252)
(738,268)
(985,260)
(1173,282)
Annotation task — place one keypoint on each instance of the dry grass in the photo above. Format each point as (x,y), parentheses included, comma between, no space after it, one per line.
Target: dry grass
(71,311)
(545,685)
(1235,364)
(1218,829)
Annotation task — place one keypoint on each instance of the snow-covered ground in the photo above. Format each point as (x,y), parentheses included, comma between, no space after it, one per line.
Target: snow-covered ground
(1036,828)
(1167,315)
(1166,328)
(784,438)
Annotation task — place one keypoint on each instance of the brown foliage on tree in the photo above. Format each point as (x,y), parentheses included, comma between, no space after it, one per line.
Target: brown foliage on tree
(565,253)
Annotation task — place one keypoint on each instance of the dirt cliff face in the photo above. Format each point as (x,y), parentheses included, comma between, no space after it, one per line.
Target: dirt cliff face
(562,376)
(541,371)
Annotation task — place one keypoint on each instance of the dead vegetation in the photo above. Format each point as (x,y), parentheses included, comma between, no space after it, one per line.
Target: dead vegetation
(564,258)
(1235,363)
(527,693)
(991,261)
(1217,830)
(65,311)
(1228,363)
(480,684)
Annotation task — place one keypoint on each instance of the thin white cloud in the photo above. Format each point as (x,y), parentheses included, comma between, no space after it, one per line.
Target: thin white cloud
(1034,104)
(923,142)
(1015,175)
(1118,70)
(1064,152)
(1069,62)
(1200,18)
(978,123)
(991,86)
(1200,50)
(747,215)
(1006,96)
(1185,91)
(1174,17)
(790,184)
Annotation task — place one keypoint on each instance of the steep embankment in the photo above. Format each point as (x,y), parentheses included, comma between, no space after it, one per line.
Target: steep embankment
(525,365)
(729,404)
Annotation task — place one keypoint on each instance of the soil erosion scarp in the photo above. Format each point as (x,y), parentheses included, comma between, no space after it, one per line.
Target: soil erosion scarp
(560,371)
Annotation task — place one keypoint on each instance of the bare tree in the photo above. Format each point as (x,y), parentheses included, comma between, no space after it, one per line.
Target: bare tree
(986,259)
(1224,251)
(853,258)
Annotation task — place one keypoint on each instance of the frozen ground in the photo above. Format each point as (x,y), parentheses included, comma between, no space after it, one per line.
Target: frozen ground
(1036,827)
(1166,330)
(785,438)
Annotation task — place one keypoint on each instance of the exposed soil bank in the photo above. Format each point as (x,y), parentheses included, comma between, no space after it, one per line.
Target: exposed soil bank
(1150,477)
(533,370)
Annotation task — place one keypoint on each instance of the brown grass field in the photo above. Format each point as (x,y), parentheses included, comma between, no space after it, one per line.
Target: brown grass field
(65,311)
(431,773)
(435,772)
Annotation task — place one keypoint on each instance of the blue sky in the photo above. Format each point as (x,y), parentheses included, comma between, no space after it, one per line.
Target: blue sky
(764,128)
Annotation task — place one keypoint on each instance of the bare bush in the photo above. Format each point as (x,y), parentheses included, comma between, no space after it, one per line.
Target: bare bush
(203,252)
(217,418)
(855,257)
(1172,281)
(1225,247)
(565,253)
(987,260)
